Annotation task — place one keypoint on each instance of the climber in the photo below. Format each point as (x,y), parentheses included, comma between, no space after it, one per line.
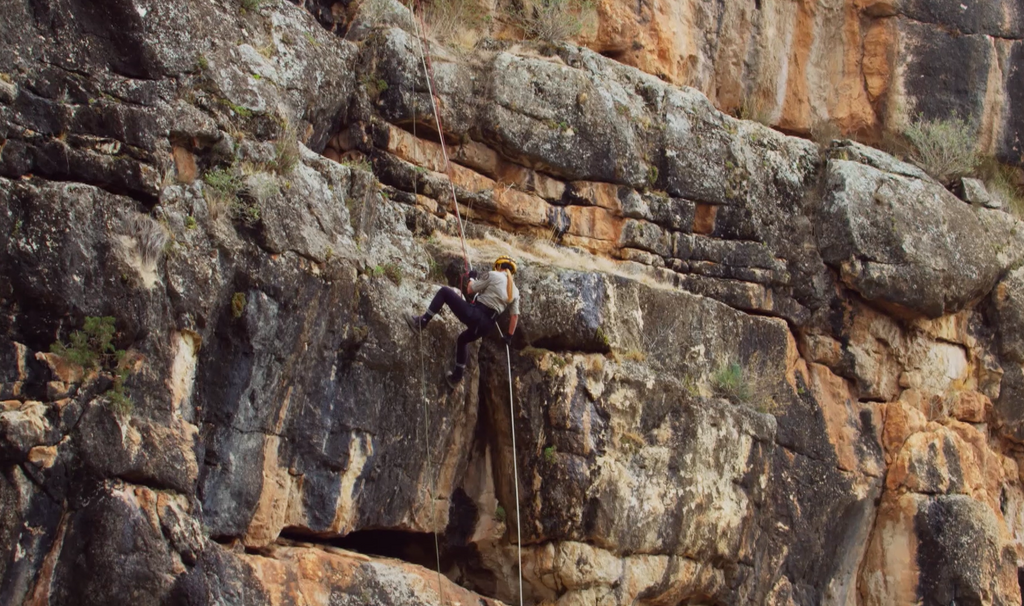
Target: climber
(494,293)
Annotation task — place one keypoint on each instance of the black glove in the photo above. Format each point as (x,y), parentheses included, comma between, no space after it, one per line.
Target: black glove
(507,339)
(472,274)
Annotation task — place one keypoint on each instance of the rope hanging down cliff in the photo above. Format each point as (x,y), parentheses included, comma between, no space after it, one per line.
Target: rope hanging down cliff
(515,466)
(432,496)
(428,72)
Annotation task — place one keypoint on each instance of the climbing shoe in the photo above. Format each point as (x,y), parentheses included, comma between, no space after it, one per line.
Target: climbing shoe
(453,378)
(415,322)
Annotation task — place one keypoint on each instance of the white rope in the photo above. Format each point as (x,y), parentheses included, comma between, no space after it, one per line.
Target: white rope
(432,496)
(515,465)
(440,135)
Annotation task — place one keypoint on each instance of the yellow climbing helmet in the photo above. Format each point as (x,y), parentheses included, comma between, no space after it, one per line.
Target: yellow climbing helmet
(505,262)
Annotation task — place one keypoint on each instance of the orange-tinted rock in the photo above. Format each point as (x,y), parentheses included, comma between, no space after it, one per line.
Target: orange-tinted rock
(605,195)
(935,461)
(970,406)
(310,576)
(62,370)
(890,572)
(843,421)
(704,219)
(851,109)
(796,108)
(420,152)
(901,421)
(594,222)
(878,58)
(184,164)
(44,456)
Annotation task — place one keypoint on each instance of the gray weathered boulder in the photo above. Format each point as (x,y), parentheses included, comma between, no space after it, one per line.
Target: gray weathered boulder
(909,242)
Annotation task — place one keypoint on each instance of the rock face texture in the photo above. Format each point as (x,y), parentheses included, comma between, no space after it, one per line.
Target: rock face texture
(748,370)
(863,65)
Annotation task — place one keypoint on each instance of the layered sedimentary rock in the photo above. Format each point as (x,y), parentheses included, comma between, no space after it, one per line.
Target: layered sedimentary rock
(748,370)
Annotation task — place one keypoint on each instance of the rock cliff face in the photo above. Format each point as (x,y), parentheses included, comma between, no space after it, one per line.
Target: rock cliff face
(748,369)
(864,65)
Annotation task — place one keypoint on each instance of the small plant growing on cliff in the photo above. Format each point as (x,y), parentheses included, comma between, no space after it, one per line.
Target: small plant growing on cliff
(945,149)
(632,442)
(286,152)
(435,270)
(251,5)
(389,270)
(356,160)
(118,399)
(652,175)
(1003,182)
(453,21)
(499,514)
(549,454)
(374,86)
(553,20)
(728,381)
(394,273)
(220,189)
(237,305)
(89,346)
(743,385)
(92,348)
(756,108)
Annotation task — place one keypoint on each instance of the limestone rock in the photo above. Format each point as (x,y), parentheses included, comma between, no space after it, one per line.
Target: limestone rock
(889,238)
(302,575)
(1008,303)
(974,192)
(747,370)
(924,552)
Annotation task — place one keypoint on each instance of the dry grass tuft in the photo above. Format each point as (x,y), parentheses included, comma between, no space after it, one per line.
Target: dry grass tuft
(1004,182)
(142,245)
(455,22)
(554,20)
(945,149)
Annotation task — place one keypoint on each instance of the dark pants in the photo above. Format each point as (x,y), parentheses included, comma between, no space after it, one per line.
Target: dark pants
(479,320)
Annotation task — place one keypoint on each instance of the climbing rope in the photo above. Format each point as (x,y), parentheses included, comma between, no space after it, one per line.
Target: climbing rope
(428,70)
(515,465)
(432,496)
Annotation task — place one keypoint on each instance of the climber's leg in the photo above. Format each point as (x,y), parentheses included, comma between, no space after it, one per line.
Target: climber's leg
(445,296)
(480,328)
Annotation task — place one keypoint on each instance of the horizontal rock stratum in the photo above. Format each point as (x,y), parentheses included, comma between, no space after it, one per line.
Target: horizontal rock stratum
(748,369)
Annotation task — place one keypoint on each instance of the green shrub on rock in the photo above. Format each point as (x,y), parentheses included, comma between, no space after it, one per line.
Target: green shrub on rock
(90,345)
(748,386)
(92,348)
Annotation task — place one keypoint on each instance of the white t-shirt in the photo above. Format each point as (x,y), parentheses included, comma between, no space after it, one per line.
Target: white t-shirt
(491,289)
